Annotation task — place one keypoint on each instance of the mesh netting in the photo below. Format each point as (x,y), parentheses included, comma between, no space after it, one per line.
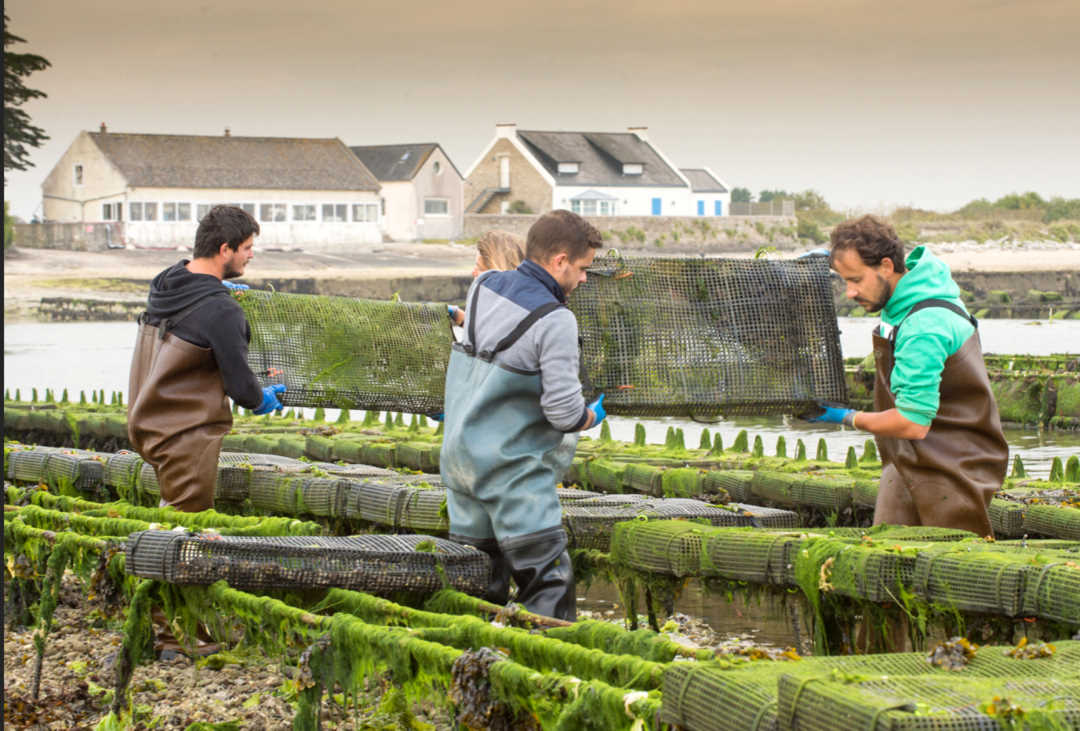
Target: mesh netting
(1007,518)
(350,353)
(827,492)
(1053,520)
(589,523)
(737,483)
(748,694)
(1053,591)
(689,337)
(60,467)
(380,564)
(922,702)
(974,577)
(864,492)
(678,337)
(122,471)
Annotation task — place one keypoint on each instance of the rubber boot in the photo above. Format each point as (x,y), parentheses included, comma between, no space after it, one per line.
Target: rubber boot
(541,568)
(498,590)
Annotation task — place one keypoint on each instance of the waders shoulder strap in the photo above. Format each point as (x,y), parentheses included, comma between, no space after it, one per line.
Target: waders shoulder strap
(945,304)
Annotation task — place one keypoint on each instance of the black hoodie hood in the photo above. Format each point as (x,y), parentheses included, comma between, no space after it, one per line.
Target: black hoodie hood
(176,288)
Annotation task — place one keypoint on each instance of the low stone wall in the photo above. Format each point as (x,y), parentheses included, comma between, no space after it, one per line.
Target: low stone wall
(63,309)
(666,234)
(70,236)
(408,289)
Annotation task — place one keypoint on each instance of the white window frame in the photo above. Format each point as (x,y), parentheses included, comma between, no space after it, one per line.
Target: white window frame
(444,214)
(274,210)
(437,167)
(165,208)
(131,211)
(200,213)
(369,212)
(182,208)
(308,208)
(150,211)
(569,168)
(77,175)
(633,168)
(336,217)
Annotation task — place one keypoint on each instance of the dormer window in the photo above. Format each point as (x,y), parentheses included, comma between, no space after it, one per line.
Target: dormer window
(569,168)
(633,168)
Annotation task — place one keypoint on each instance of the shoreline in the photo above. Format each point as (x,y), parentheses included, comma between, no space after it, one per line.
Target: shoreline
(378,270)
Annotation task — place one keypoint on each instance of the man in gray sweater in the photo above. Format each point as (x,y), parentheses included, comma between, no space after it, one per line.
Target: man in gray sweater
(512,397)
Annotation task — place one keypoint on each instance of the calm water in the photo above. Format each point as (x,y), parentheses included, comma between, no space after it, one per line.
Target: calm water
(96,355)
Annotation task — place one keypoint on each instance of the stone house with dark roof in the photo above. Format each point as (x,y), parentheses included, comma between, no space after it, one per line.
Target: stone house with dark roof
(304,192)
(591,173)
(422,190)
(709,195)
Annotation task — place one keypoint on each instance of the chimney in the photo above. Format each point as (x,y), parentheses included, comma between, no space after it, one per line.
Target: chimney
(641,132)
(104,129)
(505,129)
(227,132)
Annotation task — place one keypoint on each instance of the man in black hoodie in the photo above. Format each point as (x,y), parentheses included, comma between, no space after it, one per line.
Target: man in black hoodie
(191,352)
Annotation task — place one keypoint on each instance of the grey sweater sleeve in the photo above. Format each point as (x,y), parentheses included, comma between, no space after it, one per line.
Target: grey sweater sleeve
(555,338)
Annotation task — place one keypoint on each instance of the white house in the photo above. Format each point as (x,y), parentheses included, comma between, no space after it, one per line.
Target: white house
(303,192)
(421,191)
(709,195)
(591,173)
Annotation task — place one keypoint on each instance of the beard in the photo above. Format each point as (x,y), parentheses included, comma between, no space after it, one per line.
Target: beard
(231,271)
(878,304)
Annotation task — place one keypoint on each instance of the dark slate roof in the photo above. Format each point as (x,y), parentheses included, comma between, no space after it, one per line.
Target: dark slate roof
(194,161)
(394,162)
(702,182)
(600,156)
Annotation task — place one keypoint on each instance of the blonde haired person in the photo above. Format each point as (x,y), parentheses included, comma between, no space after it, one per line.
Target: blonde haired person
(499,250)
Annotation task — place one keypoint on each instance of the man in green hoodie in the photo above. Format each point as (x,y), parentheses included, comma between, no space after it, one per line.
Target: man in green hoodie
(935,419)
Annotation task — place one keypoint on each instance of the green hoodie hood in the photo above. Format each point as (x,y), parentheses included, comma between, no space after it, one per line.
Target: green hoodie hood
(927,276)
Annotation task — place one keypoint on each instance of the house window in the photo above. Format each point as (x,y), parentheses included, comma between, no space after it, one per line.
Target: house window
(168,211)
(606,208)
(201,210)
(437,167)
(436,207)
(272,212)
(335,213)
(78,175)
(304,212)
(106,212)
(568,168)
(135,211)
(250,208)
(183,211)
(365,213)
(382,207)
(633,168)
(150,211)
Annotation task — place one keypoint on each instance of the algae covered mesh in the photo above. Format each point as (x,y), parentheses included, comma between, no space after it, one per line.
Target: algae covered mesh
(701,337)
(661,337)
(349,353)
(374,563)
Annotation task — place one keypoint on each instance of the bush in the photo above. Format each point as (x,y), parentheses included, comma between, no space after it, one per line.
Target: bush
(519,206)
(1059,208)
(809,230)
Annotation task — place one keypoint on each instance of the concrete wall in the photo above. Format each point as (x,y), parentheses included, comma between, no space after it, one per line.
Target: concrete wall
(64,201)
(399,198)
(526,183)
(445,182)
(70,236)
(666,234)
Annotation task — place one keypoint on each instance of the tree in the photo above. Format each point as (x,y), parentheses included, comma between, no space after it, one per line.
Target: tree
(19,133)
(810,200)
(767,195)
(741,195)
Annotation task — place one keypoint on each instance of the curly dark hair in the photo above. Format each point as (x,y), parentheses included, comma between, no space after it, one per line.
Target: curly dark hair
(872,238)
(561,231)
(223,225)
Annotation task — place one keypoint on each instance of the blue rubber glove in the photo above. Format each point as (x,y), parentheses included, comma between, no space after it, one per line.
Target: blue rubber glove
(436,417)
(597,408)
(270,399)
(234,285)
(828,414)
(451,310)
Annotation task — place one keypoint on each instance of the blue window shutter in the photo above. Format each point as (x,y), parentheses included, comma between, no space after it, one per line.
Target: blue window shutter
(701,208)
(718,208)
(656,204)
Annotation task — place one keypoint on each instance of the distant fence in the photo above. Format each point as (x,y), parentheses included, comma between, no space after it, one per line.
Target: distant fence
(70,236)
(776,207)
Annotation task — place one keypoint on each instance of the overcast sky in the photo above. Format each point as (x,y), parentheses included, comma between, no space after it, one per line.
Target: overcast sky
(875,104)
